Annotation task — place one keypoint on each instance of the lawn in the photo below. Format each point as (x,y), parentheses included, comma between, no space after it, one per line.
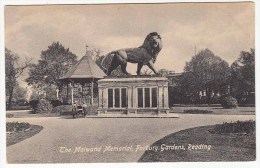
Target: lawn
(216,110)
(201,144)
(29,113)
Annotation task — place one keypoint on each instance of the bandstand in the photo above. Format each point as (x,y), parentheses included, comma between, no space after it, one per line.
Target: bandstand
(79,84)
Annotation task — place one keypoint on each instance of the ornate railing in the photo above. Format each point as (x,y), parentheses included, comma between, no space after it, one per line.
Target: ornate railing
(80,101)
(86,100)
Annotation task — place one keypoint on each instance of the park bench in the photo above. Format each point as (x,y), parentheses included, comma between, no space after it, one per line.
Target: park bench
(78,110)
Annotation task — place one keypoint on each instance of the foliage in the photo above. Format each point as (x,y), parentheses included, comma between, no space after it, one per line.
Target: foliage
(22,102)
(53,64)
(205,71)
(229,102)
(19,93)
(176,96)
(34,96)
(243,77)
(33,104)
(44,92)
(62,109)
(16,126)
(55,102)
(44,106)
(13,69)
(91,110)
(236,127)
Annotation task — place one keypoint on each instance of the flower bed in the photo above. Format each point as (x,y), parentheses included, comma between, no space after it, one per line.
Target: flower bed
(17,127)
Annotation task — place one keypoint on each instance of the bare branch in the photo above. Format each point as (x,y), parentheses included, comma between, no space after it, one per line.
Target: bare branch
(20,70)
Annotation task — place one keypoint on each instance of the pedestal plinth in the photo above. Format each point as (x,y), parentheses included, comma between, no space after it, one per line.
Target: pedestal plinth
(133,94)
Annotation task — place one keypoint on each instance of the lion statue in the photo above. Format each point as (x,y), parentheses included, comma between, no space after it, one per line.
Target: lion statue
(144,55)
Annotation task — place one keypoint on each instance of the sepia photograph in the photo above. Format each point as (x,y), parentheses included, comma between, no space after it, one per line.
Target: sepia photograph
(130,82)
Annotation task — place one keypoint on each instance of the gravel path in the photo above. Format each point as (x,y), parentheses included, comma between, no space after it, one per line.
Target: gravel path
(72,134)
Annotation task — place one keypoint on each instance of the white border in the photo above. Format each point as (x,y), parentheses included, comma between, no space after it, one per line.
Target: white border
(141,165)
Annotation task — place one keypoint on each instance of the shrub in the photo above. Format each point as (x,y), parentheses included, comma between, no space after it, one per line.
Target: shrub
(238,127)
(215,99)
(91,110)
(16,126)
(229,102)
(33,104)
(55,102)
(44,106)
(63,109)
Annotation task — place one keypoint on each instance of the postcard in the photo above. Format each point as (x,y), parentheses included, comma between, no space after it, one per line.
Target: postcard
(130,83)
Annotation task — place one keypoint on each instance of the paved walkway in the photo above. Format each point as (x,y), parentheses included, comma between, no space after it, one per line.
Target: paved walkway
(100,132)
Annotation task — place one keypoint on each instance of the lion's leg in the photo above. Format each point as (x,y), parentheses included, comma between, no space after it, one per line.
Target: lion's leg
(151,66)
(139,67)
(123,68)
(122,60)
(110,69)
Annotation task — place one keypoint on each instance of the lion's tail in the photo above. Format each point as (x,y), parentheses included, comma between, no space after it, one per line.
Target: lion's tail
(106,61)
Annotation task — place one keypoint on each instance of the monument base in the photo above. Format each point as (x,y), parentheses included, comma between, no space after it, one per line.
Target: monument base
(133,94)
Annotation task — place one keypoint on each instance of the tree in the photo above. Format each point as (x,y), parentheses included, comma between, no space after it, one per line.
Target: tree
(45,92)
(19,93)
(13,69)
(243,77)
(53,64)
(205,72)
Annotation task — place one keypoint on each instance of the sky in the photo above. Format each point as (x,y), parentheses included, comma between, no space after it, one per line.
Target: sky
(224,28)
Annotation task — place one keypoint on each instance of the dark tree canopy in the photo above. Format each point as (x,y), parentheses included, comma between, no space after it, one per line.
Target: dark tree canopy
(53,64)
(243,75)
(208,72)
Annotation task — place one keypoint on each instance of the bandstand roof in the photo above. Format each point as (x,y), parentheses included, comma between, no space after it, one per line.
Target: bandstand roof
(84,69)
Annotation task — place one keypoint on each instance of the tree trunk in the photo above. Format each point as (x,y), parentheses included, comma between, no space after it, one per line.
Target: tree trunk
(198,97)
(10,103)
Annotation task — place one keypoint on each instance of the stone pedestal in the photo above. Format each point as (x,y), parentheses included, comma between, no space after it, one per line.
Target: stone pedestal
(133,94)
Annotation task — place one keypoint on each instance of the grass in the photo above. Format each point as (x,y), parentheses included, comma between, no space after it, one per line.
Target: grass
(25,114)
(223,147)
(215,110)
(197,111)
(15,137)
(19,108)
